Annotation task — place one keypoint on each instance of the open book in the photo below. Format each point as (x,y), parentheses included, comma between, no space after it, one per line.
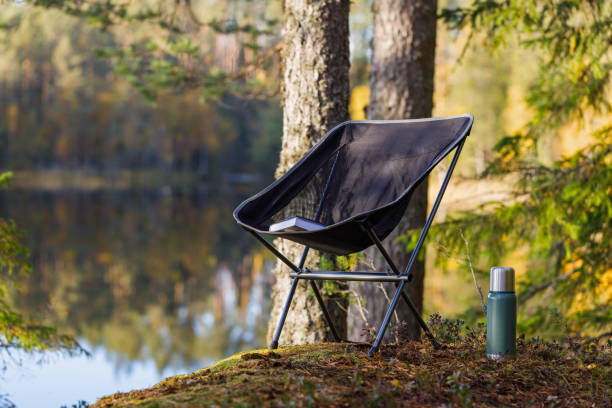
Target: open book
(295,224)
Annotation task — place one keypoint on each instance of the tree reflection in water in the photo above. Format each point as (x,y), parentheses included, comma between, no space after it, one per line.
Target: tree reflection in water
(145,275)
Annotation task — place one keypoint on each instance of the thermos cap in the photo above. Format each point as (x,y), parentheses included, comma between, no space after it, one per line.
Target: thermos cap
(502,279)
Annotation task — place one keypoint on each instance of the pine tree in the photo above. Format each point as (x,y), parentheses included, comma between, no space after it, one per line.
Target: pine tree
(561,211)
(401,84)
(315,98)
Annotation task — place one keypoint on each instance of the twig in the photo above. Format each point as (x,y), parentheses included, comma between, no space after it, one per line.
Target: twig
(367,329)
(384,291)
(362,311)
(457,259)
(469,260)
(599,337)
(464,49)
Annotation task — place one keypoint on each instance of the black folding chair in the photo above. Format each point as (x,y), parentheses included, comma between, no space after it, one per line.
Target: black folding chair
(355,185)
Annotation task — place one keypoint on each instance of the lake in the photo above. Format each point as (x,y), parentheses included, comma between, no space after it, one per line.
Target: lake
(152,283)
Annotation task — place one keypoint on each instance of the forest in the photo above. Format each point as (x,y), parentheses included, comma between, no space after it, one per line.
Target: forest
(64,107)
(130,130)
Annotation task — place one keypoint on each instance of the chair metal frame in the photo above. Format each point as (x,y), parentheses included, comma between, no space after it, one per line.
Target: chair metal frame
(400,279)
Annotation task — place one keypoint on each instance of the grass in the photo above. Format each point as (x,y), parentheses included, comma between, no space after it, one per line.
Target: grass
(575,373)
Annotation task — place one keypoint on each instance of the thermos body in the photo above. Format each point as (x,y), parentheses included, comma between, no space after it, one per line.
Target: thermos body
(501,325)
(501,314)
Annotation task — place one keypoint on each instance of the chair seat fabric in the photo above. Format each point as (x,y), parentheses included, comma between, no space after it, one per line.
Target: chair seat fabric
(364,172)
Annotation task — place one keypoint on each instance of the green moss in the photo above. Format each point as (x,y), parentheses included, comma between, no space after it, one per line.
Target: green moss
(231,361)
(332,374)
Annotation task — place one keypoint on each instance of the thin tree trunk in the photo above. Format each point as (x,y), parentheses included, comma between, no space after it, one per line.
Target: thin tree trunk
(315,98)
(401,87)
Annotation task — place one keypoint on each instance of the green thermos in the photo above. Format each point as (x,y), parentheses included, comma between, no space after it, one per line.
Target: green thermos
(501,314)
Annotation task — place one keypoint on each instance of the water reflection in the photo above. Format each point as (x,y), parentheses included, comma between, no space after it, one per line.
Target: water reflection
(149,277)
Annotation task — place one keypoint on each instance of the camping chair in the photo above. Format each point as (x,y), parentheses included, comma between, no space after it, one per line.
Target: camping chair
(348,193)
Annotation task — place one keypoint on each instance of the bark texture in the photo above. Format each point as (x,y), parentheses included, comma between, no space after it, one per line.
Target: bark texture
(315,98)
(401,87)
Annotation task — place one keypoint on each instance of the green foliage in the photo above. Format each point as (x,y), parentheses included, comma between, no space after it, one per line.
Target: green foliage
(13,255)
(326,264)
(461,392)
(572,39)
(332,288)
(338,263)
(20,334)
(65,108)
(168,56)
(105,13)
(349,263)
(341,263)
(409,241)
(17,333)
(559,213)
(445,330)
(5,178)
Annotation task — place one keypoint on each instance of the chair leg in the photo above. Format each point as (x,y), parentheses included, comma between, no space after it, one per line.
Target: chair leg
(385,323)
(422,323)
(381,332)
(412,307)
(281,322)
(328,319)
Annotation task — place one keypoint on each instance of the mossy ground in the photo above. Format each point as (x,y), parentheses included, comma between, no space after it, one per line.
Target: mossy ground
(411,374)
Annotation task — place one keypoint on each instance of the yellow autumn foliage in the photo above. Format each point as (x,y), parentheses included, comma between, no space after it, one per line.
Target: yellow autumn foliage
(360,97)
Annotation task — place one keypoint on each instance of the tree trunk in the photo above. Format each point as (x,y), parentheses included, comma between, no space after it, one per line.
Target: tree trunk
(315,98)
(401,87)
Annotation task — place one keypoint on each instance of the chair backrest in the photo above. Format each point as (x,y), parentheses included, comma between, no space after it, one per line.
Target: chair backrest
(374,163)
(380,160)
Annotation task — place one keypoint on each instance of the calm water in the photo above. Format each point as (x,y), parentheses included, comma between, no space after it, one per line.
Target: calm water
(152,283)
